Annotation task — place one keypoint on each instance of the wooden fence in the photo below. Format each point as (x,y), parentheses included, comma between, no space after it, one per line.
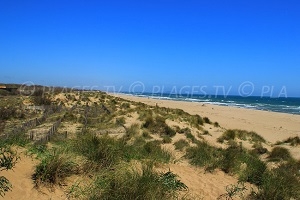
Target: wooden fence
(35,122)
(49,133)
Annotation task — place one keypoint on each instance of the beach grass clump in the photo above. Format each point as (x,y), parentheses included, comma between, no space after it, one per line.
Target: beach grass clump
(204,155)
(137,184)
(293,141)
(216,124)
(259,149)
(18,138)
(54,168)
(152,150)
(248,167)
(70,117)
(181,144)
(280,183)
(146,134)
(205,132)
(191,137)
(157,125)
(143,150)
(196,121)
(120,121)
(125,105)
(232,134)
(206,120)
(8,159)
(279,154)
(184,130)
(166,139)
(105,151)
(132,131)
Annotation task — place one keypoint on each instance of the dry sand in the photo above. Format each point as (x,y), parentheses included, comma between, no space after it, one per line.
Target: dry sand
(271,125)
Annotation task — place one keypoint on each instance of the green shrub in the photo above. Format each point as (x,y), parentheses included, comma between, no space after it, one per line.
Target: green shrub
(259,149)
(8,159)
(206,132)
(293,141)
(41,98)
(125,105)
(18,138)
(191,137)
(279,153)
(181,144)
(132,131)
(146,135)
(216,124)
(104,151)
(204,155)
(53,169)
(154,151)
(132,184)
(158,125)
(120,121)
(240,134)
(206,120)
(167,139)
(279,184)
(236,160)
(195,121)
(185,131)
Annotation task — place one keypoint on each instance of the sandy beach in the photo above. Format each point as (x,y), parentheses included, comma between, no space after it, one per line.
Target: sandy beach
(271,125)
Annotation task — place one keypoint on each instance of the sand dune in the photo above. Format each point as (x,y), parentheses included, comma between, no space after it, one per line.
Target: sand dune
(272,126)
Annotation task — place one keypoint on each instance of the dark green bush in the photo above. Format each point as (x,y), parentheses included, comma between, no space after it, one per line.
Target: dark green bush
(104,151)
(54,168)
(167,139)
(204,155)
(240,134)
(181,144)
(279,153)
(206,120)
(279,184)
(249,167)
(8,159)
(131,184)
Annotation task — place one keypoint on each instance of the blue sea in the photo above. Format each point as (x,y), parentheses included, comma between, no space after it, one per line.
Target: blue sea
(289,105)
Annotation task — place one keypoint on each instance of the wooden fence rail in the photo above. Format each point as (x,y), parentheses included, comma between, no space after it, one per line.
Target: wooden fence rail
(49,133)
(35,122)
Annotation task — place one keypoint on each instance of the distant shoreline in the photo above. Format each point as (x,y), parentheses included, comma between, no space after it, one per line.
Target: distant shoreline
(290,105)
(274,126)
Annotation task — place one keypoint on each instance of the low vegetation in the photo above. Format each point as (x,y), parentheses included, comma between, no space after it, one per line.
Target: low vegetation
(279,154)
(124,165)
(242,135)
(135,184)
(181,144)
(293,141)
(8,159)
(55,166)
(282,182)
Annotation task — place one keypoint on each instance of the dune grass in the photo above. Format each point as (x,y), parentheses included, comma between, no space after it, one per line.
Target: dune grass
(279,154)
(181,144)
(293,141)
(204,155)
(8,159)
(54,168)
(129,183)
(157,125)
(232,134)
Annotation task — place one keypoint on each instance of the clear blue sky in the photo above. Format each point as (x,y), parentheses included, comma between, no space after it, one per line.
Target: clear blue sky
(164,43)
